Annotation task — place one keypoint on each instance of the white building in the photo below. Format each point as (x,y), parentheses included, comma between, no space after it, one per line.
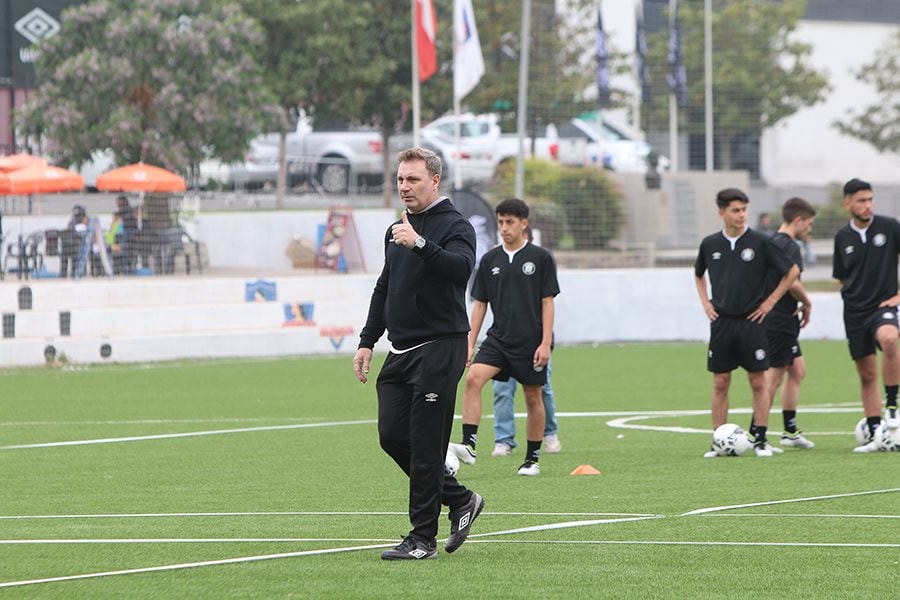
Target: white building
(806,149)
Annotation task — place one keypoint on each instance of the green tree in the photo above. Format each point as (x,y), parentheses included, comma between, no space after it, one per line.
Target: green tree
(760,74)
(169,82)
(316,59)
(879,123)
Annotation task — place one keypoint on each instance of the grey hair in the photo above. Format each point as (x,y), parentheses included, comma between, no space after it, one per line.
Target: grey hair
(432,161)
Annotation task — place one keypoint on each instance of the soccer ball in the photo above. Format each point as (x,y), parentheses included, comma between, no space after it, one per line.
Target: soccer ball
(451,464)
(886,439)
(863,434)
(730,440)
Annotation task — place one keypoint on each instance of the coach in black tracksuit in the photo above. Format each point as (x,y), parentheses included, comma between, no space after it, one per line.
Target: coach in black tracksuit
(420,299)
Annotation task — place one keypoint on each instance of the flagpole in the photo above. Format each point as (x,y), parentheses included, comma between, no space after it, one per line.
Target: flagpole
(416,93)
(457,171)
(525,36)
(639,96)
(673,100)
(708,109)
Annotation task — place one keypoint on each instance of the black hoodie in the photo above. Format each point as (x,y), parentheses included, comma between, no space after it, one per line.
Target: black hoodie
(421,294)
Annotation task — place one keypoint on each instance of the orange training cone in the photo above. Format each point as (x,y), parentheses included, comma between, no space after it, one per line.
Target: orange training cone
(585,470)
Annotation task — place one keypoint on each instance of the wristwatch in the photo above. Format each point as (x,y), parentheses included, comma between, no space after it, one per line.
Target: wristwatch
(420,242)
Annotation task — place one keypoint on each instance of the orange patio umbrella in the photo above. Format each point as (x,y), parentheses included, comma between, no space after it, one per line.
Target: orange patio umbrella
(140,178)
(14,162)
(39,179)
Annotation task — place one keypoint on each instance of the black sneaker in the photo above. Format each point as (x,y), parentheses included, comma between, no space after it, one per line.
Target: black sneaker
(410,549)
(461,520)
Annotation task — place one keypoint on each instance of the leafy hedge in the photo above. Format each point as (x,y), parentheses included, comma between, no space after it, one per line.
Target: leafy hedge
(580,204)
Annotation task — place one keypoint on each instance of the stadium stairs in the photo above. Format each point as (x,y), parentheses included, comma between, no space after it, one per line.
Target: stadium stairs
(139,319)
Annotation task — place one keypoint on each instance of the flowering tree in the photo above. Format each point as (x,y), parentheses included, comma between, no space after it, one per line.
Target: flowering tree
(169,82)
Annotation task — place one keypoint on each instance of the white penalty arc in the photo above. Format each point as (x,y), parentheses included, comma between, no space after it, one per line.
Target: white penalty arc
(627,422)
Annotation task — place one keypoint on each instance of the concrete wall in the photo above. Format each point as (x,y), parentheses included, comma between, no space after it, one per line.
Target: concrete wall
(681,213)
(168,318)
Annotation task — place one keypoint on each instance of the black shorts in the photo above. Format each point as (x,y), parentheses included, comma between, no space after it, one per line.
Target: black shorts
(518,366)
(783,348)
(861,328)
(737,342)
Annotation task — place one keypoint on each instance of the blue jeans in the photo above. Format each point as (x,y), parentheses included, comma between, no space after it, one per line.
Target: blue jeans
(84,253)
(505,411)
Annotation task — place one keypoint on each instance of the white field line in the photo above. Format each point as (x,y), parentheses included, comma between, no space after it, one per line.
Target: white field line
(205,563)
(622,423)
(24,542)
(153,421)
(564,525)
(293,554)
(689,543)
(307,513)
(546,527)
(802,516)
(167,436)
(711,509)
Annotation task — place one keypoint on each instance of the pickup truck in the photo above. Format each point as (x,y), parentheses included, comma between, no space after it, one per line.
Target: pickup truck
(334,161)
(482,145)
(574,142)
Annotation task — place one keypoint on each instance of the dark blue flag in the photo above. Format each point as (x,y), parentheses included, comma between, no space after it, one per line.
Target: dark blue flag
(676,78)
(602,54)
(640,47)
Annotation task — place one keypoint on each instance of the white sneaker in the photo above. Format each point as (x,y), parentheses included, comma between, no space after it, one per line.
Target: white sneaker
(796,440)
(711,453)
(530,468)
(867,448)
(892,418)
(501,449)
(464,453)
(773,449)
(551,444)
(763,451)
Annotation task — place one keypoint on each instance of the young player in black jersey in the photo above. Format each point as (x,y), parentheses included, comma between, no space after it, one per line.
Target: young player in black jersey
(518,280)
(865,262)
(738,260)
(783,326)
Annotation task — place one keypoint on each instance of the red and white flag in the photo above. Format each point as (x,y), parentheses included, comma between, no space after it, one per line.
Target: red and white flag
(426,32)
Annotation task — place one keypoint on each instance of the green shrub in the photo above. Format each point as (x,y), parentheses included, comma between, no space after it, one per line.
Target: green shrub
(580,203)
(832,216)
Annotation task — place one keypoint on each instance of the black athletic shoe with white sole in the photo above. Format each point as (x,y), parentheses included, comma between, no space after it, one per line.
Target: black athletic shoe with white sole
(461,520)
(410,549)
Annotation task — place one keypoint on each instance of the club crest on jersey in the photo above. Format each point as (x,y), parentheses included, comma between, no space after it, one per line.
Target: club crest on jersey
(879,240)
(495,270)
(848,250)
(747,254)
(717,255)
(529,268)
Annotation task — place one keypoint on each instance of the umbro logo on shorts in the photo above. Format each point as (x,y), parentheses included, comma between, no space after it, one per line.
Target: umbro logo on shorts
(431,397)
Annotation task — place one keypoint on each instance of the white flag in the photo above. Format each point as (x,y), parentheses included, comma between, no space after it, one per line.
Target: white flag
(468,63)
